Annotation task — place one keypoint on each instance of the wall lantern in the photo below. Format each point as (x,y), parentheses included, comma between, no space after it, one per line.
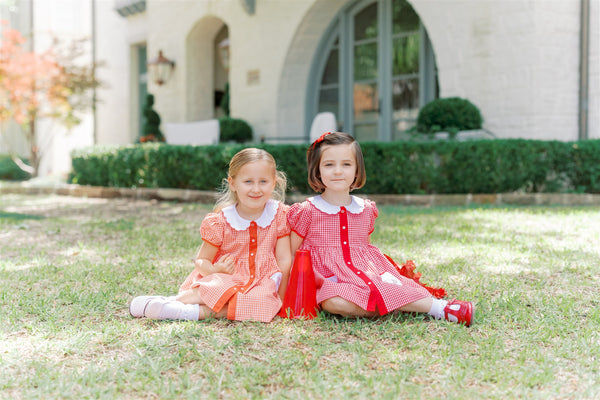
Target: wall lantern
(224,53)
(160,68)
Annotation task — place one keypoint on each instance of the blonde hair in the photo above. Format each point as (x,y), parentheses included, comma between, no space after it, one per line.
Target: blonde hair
(315,151)
(228,197)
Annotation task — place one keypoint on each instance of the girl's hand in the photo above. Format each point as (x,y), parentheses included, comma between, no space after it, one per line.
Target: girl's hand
(225,265)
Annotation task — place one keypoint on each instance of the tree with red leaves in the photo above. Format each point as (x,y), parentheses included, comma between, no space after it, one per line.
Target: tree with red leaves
(49,84)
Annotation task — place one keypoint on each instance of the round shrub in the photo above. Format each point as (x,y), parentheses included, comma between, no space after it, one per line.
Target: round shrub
(234,130)
(451,114)
(151,127)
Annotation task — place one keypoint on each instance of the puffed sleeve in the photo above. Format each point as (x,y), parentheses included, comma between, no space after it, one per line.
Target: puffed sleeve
(371,208)
(298,217)
(283,228)
(211,229)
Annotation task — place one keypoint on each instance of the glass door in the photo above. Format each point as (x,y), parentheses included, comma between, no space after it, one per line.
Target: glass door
(365,76)
(406,50)
(379,71)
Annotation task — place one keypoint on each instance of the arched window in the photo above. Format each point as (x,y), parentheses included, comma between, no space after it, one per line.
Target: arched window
(378,71)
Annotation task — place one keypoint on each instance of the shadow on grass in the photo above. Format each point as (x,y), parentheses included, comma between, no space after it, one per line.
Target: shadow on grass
(471,239)
(18,216)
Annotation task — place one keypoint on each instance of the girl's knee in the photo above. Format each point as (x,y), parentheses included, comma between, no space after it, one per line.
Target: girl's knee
(345,308)
(190,296)
(333,305)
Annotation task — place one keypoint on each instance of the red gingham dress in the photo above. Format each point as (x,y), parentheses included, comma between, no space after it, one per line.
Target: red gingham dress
(345,263)
(250,292)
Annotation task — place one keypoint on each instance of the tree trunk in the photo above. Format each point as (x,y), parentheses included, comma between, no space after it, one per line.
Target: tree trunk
(34,160)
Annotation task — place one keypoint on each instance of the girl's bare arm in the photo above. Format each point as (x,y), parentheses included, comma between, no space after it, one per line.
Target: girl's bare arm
(283,255)
(296,241)
(206,255)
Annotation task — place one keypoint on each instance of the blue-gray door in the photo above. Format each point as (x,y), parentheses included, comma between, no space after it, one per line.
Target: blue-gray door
(379,70)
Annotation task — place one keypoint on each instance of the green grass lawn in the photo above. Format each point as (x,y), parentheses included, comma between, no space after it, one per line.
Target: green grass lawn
(70,266)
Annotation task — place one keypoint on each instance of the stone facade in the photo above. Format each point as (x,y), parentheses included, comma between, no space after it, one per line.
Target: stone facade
(518,61)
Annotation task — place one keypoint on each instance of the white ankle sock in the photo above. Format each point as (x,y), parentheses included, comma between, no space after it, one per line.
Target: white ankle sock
(189,311)
(437,308)
(171,309)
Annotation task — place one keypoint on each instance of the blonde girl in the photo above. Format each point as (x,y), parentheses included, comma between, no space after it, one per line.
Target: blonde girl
(242,267)
(353,277)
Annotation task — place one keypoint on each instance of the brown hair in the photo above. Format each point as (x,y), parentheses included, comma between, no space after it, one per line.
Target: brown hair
(228,197)
(313,159)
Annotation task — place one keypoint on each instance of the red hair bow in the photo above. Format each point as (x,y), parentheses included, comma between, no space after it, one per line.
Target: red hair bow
(320,139)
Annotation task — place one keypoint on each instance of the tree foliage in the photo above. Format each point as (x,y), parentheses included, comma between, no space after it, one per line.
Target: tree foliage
(53,84)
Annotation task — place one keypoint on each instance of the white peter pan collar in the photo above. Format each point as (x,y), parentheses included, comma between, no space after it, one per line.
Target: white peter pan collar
(356,206)
(241,224)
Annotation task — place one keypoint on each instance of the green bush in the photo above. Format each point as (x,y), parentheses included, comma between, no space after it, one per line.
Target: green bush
(583,166)
(451,115)
(151,127)
(9,171)
(443,167)
(234,130)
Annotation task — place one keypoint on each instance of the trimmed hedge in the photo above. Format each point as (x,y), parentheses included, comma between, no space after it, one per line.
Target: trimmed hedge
(485,166)
(171,166)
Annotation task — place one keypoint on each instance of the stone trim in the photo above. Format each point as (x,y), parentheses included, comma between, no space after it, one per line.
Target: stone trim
(209,197)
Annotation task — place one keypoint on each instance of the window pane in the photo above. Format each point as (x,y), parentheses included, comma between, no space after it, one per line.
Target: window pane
(406,55)
(405,99)
(365,61)
(400,128)
(406,114)
(405,95)
(330,75)
(405,18)
(328,100)
(365,23)
(366,102)
(364,133)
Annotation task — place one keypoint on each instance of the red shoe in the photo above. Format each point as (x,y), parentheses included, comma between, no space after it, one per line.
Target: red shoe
(463,314)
